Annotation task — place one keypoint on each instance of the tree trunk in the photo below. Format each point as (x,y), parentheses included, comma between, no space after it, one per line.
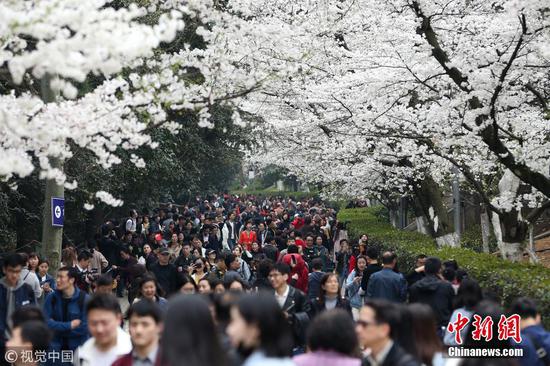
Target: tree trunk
(512,229)
(485,229)
(394,217)
(422,224)
(51,236)
(429,198)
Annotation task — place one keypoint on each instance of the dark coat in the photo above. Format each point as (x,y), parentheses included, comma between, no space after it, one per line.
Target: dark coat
(396,357)
(167,277)
(371,268)
(529,336)
(414,277)
(388,285)
(317,306)
(23,294)
(61,325)
(437,293)
(297,307)
(314,284)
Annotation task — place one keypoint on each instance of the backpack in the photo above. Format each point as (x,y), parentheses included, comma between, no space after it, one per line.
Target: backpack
(542,354)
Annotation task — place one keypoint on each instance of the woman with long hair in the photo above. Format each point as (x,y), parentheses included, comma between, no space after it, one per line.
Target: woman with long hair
(198,269)
(353,285)
(149,289)
(331,340)
(260,331)
(190,336)
(68,257)
(186,284)
(427,344)
(247,236)
(33,262)
(329,297)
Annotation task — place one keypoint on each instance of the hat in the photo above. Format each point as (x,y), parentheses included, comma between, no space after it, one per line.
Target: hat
(164,251)
(158,237)
(210,251)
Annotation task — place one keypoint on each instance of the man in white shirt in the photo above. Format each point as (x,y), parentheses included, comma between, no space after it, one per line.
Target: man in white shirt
(108,341)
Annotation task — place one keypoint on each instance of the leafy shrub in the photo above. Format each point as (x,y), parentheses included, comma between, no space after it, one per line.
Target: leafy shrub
(471,239)
(509,280)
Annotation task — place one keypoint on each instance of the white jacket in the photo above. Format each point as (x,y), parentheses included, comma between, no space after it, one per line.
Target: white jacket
(89,355)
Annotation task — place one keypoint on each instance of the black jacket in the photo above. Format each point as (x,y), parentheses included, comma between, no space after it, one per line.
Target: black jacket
(396,357)
(414,277)
(437,293)
(371,268)
(297,307)
(167,277)
(316,306)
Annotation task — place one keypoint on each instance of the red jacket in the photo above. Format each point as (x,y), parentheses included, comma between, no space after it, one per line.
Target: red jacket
(127,360)
(300,268)
(247,239)
(298,223)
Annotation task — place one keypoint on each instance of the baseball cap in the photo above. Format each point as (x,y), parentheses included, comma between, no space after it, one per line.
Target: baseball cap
(158,237)
(164,251)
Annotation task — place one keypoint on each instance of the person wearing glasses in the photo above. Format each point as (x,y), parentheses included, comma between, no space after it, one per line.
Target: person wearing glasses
(376,328)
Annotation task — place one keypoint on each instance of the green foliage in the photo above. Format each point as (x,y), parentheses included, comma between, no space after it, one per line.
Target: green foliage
(471,239)
(509,280)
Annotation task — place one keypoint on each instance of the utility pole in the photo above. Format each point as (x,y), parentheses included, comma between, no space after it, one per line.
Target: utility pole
(51,235)
(457,206)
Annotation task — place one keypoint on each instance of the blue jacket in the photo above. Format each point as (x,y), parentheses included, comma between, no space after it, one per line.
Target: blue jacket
(23,295)
(388,285)
(353,291)
(53,310)
(49,279)
(314,285)
(530,357)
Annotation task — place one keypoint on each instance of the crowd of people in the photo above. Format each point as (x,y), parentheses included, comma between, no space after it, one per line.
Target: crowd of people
(248,281)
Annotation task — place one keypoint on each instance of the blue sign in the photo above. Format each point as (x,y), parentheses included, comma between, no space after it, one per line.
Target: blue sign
(58,211)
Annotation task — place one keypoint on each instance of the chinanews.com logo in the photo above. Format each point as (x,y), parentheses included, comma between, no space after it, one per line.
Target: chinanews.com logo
(508,329)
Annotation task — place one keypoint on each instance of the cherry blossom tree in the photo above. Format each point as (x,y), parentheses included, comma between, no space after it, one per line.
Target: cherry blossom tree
(397,93)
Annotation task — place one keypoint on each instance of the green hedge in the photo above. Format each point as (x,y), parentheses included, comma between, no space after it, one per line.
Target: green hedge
(509,280)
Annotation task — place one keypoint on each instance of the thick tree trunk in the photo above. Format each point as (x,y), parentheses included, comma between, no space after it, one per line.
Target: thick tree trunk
(510,229)
(485,229)
(422,224)
(51,236)
(430,199)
